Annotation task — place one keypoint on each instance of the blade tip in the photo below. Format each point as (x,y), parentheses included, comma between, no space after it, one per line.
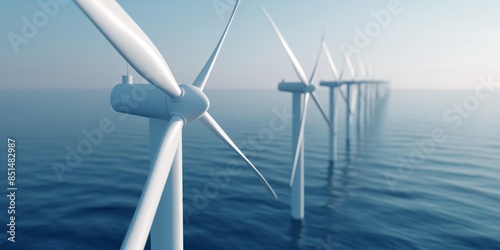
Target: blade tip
(274,194)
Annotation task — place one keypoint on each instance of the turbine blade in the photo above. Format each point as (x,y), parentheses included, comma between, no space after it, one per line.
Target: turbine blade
(131,42)
(140,226)
(320,107)
(341,76)
(362,70)
(330,61)
(350,66)
(213,126)
(202,78)
(300,140)
(313,75)
(296,65)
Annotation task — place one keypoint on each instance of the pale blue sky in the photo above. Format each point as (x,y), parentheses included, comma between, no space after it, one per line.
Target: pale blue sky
(430,44)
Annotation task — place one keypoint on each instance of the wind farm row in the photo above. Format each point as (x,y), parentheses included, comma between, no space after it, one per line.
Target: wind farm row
(171,105)
(366,96)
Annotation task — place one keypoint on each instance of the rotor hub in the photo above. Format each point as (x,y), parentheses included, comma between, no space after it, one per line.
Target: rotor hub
(190,105)
(310,88)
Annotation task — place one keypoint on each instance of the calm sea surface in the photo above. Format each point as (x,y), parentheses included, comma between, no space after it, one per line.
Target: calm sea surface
(392,187)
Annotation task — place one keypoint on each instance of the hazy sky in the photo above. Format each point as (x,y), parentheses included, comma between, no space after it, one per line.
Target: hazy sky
(427,44)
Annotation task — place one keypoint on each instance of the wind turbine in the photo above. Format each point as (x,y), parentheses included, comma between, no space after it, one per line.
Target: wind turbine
(301,92)
(333,85)
(349,103)
(365,85)
(169,107)
(359,94)
(370,91)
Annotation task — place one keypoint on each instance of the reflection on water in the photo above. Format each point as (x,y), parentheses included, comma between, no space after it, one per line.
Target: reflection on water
(297,233)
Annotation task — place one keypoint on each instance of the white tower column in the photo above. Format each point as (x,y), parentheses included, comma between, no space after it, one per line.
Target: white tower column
(348,115)
(366,105)
(358,107)
(332,139)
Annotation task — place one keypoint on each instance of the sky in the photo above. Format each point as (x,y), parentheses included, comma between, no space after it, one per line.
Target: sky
(447,44)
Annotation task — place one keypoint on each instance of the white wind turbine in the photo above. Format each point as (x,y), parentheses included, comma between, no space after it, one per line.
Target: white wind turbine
(366,93)
(367,88)
(372,90)
(349,102)
(169,107)
(301,92)
(363,81)
(333,85)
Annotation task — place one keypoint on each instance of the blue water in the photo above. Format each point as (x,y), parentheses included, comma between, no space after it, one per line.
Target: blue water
(447,199)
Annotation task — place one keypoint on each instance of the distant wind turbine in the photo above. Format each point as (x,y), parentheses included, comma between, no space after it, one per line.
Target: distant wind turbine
(301,92)
(337,83)
(349,105)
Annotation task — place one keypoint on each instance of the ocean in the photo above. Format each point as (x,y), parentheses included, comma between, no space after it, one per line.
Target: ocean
(421,173)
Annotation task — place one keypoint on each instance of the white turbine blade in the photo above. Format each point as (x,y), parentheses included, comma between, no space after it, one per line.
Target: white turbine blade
(132,43)
(330,61)
(323,113)
(140,226)
(213,126)
(362,70)
(350,66)
(202,78)
(313,75)
(300,140)
(296,65)
(341,76)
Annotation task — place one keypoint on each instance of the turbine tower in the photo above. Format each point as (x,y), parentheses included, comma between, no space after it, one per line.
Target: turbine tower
(368,93)
(349,84)
(169,107)
(301,92)
(365,86)
(359,96)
